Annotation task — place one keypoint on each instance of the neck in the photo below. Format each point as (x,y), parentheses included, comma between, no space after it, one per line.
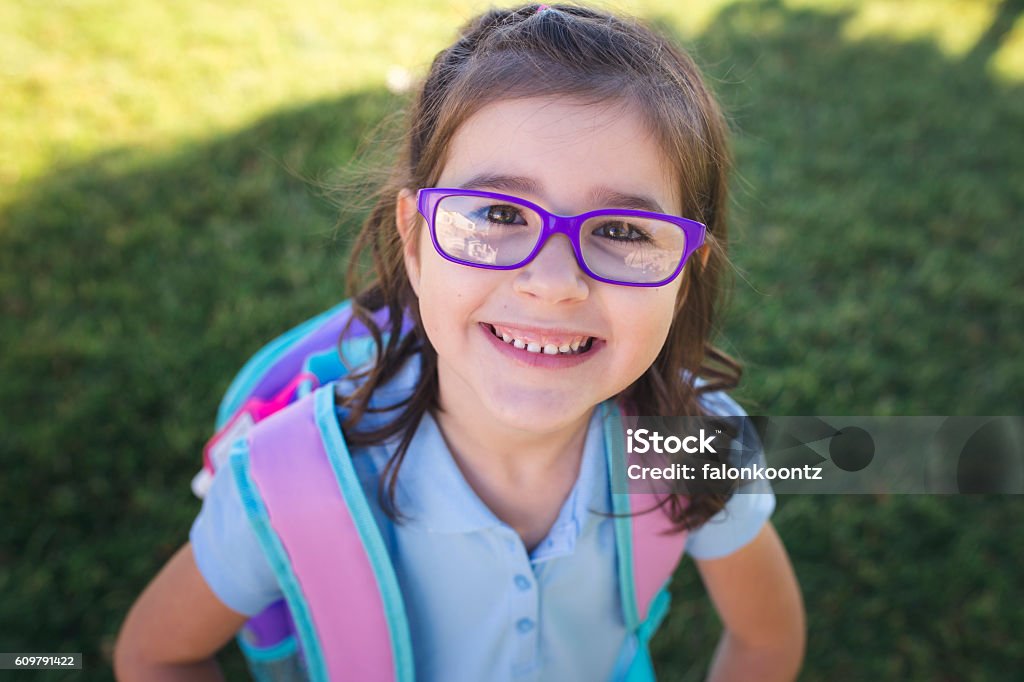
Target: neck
(522,475)
(479,445)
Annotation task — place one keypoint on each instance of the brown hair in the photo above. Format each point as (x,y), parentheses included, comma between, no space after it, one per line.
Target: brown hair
(590,56)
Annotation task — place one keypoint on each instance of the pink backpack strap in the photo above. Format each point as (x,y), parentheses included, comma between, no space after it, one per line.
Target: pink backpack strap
(648,549)
(316,527)
(657,550)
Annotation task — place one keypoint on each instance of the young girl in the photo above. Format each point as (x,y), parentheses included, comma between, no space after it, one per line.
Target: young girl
(541,264)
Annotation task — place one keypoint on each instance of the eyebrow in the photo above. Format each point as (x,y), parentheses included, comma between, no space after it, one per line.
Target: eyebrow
(604,197)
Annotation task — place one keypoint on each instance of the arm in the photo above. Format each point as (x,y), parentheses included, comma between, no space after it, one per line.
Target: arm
(175,627)
(757,597)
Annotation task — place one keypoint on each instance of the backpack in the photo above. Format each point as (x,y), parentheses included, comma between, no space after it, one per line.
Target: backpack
(278,433)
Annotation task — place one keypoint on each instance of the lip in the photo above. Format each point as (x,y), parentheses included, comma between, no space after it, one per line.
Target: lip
(542,331)
(528,359)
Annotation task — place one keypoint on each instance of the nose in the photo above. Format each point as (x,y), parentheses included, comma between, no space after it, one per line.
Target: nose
(554,274)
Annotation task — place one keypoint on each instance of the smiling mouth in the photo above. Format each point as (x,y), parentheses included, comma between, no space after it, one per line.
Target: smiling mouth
(562,345)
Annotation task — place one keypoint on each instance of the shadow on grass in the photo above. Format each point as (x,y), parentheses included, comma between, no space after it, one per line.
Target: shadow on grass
(133,287)
(1006,15)
(878,226)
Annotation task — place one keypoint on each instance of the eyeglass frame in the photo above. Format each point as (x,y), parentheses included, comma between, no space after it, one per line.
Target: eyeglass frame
(429,198)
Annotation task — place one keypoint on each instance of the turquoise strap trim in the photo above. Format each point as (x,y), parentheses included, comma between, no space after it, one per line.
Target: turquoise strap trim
(256,510)
(328,365)
(253,371)
(611,421)
(286,647)
(369,533)
(656,614)
(642,667)
(358,351)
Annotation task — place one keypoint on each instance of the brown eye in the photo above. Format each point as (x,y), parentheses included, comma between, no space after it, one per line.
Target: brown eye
(622,232)
(503,215)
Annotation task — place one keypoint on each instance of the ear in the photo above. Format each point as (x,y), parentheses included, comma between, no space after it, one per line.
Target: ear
(705,254)
(406,217)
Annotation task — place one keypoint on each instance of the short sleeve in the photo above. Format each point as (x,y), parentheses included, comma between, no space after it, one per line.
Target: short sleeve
(227,551)
(745,513)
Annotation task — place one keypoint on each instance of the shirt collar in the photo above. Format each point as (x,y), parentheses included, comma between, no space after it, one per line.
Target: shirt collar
(584,498)
(432,493)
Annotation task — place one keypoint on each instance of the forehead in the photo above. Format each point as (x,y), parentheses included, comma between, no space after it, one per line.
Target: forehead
(568,155)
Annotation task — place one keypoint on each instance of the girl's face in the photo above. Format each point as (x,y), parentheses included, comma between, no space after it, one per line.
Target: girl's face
(569,158)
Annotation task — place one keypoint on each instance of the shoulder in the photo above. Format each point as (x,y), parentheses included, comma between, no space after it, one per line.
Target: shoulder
(718,403)
(387,399)
(226,548)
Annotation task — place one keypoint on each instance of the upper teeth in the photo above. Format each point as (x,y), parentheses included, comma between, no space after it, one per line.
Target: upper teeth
(535,346)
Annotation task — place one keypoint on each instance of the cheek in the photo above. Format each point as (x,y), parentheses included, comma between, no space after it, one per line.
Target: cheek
(646,320)
(445,289)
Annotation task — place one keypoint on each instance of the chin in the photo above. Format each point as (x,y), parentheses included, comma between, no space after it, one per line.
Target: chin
(537,411)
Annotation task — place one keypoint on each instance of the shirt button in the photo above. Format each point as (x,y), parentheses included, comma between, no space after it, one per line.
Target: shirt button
(522,582)
(524,625)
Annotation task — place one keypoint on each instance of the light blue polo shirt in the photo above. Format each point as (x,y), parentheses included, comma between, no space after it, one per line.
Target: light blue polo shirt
(480,607)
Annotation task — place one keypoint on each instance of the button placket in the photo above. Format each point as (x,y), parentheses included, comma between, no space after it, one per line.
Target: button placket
(524,599)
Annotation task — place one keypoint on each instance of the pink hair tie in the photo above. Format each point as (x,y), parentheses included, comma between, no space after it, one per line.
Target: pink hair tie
(541,8)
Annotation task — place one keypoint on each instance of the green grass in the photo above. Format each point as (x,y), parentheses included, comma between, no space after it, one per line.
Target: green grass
(158,223)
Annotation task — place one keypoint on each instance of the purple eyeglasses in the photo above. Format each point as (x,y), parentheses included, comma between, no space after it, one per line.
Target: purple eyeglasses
(503,232)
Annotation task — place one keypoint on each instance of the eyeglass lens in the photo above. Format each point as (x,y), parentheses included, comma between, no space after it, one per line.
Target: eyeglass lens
(486,231)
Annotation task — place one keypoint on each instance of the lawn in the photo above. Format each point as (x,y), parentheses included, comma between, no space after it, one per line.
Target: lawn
(165,208)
